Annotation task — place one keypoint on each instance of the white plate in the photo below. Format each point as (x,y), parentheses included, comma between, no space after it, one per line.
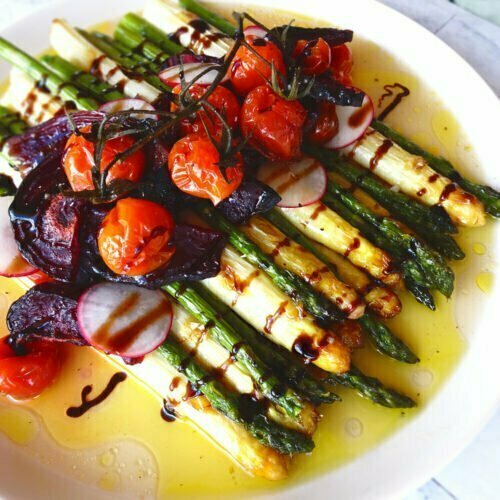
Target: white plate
(469,397)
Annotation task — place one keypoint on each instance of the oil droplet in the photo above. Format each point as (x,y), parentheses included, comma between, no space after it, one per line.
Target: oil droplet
(445,128)
(353,427)
(478,248)
(109,481)
(18,425)
(422,378)
(107,459)
(484,281)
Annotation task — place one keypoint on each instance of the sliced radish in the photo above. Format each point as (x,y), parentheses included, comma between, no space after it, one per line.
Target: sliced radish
(353,122)
(127,104)
(12,263)
(299,182)
(171,75)
(256,31)
(124,319)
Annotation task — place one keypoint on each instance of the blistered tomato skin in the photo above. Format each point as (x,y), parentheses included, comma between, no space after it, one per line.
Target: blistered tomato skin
(314,57)
(272,124)
(341,64)
(78,161)
(324,124)
(194,166)
(26,376)
(249,70)
(224,102)
(134,238)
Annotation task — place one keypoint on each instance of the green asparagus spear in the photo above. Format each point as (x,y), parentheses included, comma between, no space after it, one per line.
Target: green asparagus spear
(140,46)
(230,339)
(136,24)
(315,303)
(101,91)
(12,121)
(382,337)
(489,196)
(278,358)
(437,272)
(229,404)
(42,75)
(371,388)
(129,63)
(219,22)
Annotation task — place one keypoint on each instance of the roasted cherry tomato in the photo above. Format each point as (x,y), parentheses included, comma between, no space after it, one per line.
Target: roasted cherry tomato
(224,102)
(323,124)
(26,376)
(341,65)
(273,124)
(313,56)
(134,238)
(249,70)
(78,161)
(194,166)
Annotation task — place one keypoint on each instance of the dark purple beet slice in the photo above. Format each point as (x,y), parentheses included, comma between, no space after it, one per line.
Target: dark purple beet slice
(332,36)
(328,89)
(46,224)
(251,197)
(47,311)
(44,141)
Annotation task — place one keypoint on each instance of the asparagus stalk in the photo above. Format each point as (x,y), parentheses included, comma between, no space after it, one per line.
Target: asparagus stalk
(11,121)
(139,26)
(211,18)
(360,282)
(383,339)
(96,88)
(414,279)
(231,340)
(292,285)
(284,440)
(40,74)
(371,388)
(431,223)
(126,62)
(278,358)
(150,53)
(489,196)
(437,272)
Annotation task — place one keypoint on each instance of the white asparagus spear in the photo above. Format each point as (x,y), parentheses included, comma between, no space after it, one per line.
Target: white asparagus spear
(415,177)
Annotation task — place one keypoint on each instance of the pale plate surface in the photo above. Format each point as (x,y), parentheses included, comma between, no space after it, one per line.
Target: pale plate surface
(472,393)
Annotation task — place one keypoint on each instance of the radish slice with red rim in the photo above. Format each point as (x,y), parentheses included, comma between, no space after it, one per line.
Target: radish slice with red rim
(127,104)
(299,182)
(353,122)
(255,31)
(12,263)
(124,319)
(208,72)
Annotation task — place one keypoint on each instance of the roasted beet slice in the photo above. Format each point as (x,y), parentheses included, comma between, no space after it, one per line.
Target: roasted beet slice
(332,36)
(328,89)
(47,140)
(47,311)
(251,197)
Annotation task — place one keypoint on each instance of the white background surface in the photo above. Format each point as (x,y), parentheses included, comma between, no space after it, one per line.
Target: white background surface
(475,474)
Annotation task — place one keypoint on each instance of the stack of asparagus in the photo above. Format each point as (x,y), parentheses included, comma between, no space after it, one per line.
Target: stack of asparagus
(267,388)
